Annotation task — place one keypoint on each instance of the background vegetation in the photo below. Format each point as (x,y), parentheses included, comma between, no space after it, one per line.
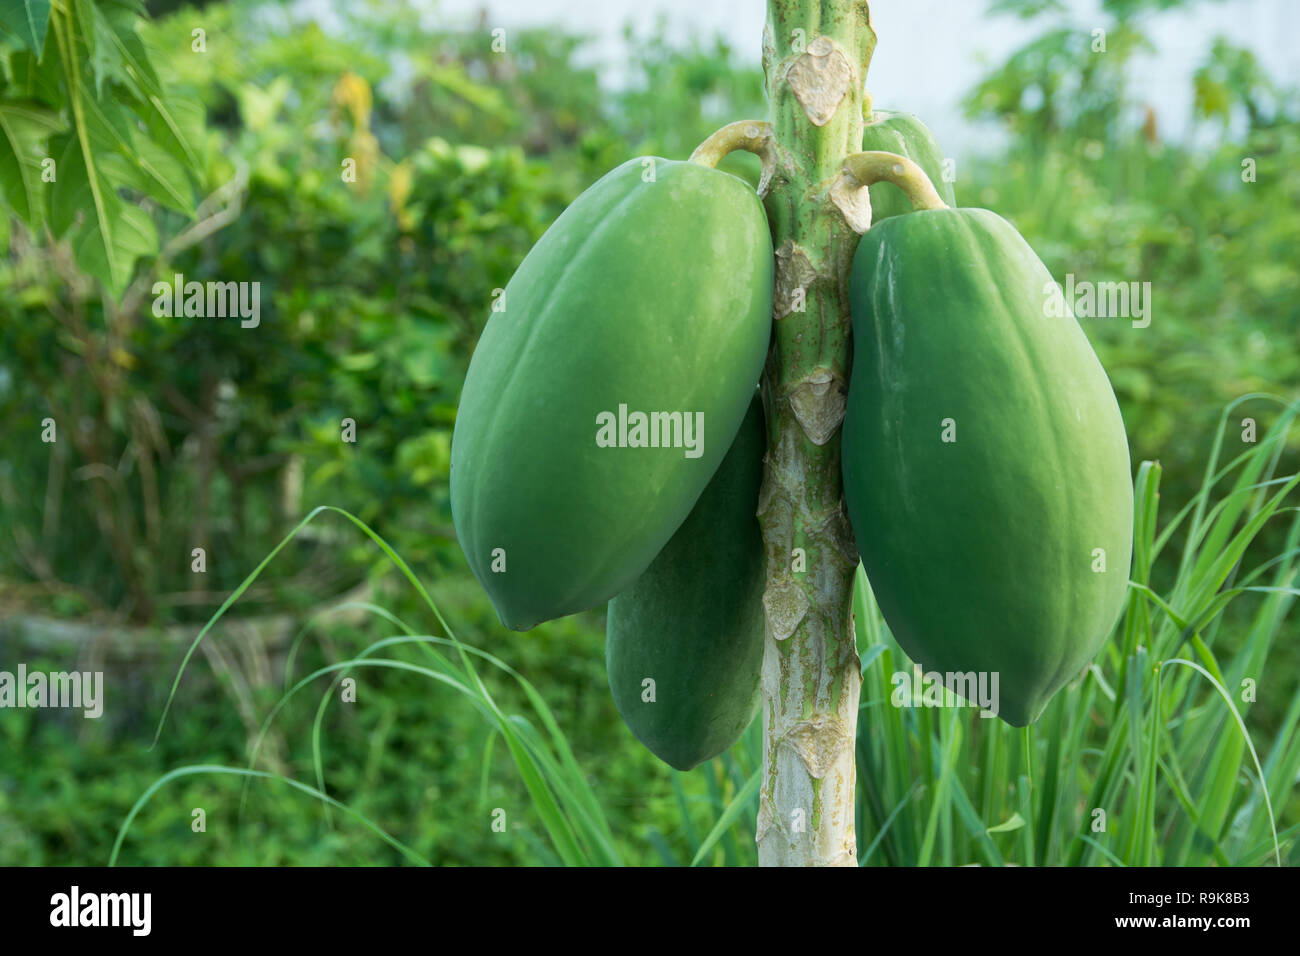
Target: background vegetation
(178,433)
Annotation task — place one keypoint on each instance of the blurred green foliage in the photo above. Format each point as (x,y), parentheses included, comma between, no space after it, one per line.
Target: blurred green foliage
(182,433)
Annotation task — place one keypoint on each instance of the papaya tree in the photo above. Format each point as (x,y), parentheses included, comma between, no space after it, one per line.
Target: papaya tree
(84,117)
(927,409)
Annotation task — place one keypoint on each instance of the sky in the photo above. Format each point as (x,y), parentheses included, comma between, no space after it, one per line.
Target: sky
(929,52)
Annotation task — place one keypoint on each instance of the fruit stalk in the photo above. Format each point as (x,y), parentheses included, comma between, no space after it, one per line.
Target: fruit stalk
(815,57)
(876,166)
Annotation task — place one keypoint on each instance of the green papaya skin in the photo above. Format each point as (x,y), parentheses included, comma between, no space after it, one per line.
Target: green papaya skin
(981,551)
(651,295)
(693,622)
(904,134)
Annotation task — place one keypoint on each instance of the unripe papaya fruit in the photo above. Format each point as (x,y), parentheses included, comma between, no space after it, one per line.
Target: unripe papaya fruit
(985,465)
(904,134)
(609,384)
(693,622)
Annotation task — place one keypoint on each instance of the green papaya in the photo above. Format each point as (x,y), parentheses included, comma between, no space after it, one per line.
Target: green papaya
(986,470)
(904,134)
(693,622)
(608,384)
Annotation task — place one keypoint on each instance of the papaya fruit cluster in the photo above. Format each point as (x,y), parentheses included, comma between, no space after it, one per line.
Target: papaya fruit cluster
(609,444)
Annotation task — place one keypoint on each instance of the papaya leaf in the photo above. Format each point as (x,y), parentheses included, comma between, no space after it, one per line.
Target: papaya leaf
(27,20)
(134,236)
(107,234)
(64,201)
(175,125)
(134,160)
(169,124)
(121,22)
(102,54)
(25,128)
(39,78)
(153,171)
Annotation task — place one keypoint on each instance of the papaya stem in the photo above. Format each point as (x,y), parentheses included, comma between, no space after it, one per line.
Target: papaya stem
(753,136)
(876,166)
(815,57)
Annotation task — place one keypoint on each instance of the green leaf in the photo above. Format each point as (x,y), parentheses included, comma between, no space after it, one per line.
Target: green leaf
(66,199)
(1014,823)
(134,237)
(102,52)
(120,23)
(39,78)
(170,124)
(258,107)
(175,125)
(359,362)
(423,351)
(25,128)
(134,160)
(27,20)
(107,234)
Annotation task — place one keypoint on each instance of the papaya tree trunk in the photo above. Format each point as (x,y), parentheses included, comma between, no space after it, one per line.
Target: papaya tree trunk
(815,57)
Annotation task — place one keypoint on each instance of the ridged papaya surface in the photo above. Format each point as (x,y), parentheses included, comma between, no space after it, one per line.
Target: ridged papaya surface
(693,622)
(644,298)
(904,134)
(985,551)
